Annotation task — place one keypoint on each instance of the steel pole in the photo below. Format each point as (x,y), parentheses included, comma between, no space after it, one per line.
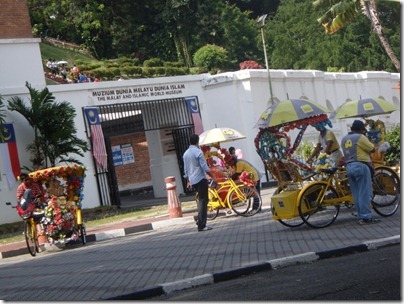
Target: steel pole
(266,63)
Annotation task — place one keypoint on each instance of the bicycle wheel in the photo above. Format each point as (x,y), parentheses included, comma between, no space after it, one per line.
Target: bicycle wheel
(30,237)
(241,200)
(213,211)
(292,222)
(386,194)
(313,207)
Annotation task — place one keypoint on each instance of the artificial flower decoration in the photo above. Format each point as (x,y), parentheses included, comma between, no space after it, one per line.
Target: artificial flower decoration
(59,220)
(247,178)
(323,161)
(72,175)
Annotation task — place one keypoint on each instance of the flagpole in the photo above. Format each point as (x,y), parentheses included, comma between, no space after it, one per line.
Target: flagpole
(261,20)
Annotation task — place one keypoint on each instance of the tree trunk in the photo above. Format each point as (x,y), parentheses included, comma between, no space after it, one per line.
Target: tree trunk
(178,47)
(185,50)
(372,13)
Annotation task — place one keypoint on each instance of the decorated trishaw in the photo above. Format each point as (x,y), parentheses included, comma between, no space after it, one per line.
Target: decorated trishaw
(63,191)
(230,195)
(312,194)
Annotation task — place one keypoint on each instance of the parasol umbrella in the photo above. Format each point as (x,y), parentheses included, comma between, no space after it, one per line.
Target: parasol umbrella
(364,108)
(218,135)
(289,111)
(62,62)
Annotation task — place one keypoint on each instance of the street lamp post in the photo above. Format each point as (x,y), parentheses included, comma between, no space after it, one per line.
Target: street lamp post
(261,22)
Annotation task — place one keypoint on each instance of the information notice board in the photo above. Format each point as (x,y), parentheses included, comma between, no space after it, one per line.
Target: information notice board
(122,154)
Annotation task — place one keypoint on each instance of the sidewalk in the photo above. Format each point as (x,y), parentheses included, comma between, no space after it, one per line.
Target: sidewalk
(173,255)
(130,226)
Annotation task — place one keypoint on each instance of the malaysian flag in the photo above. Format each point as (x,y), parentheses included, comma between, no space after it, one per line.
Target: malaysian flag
(9,154)
(193,107)
(97,137)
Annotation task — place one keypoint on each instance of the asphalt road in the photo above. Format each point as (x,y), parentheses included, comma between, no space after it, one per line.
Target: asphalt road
(368,276)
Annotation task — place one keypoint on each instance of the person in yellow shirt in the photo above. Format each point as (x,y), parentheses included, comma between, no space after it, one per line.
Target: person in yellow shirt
(240,165)
(357,148)
(327,143)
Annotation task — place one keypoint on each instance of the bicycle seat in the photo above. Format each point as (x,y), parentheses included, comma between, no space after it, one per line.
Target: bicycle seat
(329,170)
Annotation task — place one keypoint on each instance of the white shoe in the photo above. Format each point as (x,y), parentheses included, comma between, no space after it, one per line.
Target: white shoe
(205,229)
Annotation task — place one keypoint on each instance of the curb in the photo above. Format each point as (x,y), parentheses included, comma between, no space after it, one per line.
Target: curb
(110,234)
(206,279)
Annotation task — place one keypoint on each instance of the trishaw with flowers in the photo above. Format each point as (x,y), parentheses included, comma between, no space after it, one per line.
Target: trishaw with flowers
(63,188)
(307,194)
(238,195)
(234,195)
(274,146)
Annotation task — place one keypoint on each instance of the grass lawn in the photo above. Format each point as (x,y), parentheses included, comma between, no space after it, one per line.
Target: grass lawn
(58,53)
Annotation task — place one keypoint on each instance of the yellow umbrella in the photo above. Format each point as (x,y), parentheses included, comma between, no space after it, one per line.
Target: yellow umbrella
(364,108)
(218,135)
(288,111)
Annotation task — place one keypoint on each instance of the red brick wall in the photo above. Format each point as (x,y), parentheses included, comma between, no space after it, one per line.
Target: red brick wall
(14,19)
(139,171)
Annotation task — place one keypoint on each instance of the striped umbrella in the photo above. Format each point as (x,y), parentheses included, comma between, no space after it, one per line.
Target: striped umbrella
(364,108)
(289,111)
(218,135)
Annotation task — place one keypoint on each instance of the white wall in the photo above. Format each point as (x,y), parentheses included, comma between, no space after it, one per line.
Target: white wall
(19,63)
(234,100)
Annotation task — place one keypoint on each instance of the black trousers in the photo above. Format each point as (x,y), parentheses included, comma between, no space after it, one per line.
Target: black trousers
(202,188)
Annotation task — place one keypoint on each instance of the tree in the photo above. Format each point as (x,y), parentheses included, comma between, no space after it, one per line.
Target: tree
(299,43)
(54,129)
(341,13)
(211,57)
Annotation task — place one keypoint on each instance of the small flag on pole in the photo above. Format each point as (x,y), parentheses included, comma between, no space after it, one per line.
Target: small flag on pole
(9,154)
(97,137)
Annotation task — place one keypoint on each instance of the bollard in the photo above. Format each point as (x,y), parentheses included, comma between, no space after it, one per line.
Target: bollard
(174,204)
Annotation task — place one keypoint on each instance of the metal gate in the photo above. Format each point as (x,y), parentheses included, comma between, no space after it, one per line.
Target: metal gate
(181,141)
(124,118)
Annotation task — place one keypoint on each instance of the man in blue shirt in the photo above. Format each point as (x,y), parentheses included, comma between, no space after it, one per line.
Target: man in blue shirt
(195,171)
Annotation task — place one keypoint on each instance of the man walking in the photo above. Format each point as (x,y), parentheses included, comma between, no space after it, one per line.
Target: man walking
(195,170)
(357,148)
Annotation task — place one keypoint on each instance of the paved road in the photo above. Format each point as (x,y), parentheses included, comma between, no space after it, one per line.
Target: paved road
(150,263)
(366,276)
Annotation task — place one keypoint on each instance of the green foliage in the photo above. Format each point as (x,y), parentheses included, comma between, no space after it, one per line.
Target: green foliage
(132,71)
(153,62)
(54,128)
(174,30)
(210,57)
(393,155)
(305,150)
(57,53)
(300,43)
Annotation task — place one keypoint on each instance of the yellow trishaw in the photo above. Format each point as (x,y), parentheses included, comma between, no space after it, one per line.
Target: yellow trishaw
(314,195)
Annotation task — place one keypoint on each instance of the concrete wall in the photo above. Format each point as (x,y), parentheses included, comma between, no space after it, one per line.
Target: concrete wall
(234,100)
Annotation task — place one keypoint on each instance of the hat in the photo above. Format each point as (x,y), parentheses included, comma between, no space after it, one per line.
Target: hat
(357,125)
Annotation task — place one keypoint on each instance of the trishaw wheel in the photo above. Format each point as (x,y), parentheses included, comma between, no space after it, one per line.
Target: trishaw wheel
(212,210)
(293,222)
(313,208)
(386,194)
(241,200)
(212,213)
(30,238)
